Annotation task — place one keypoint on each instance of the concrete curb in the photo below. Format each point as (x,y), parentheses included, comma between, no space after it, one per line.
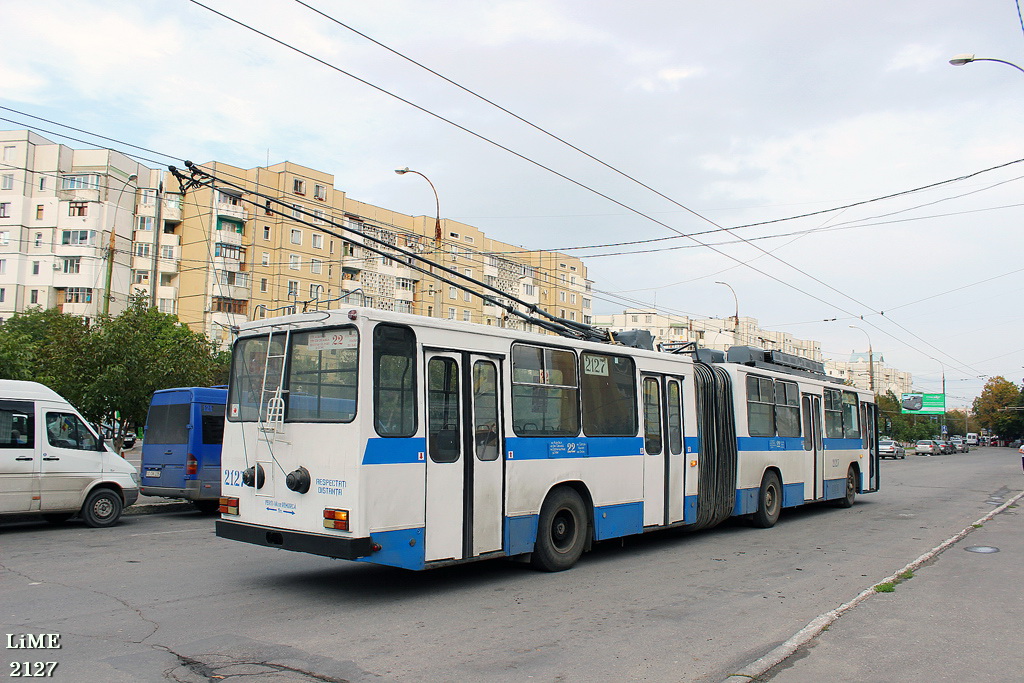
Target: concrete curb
(152,508)
(775,657)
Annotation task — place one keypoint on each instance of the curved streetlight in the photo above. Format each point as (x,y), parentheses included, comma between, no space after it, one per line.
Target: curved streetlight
(437,233)
(871,358)
(967,58)
(113,239)
(736,318)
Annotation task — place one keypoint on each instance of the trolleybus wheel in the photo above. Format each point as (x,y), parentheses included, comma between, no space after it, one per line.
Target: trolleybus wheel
(561,531)
(851,489)
(769,502)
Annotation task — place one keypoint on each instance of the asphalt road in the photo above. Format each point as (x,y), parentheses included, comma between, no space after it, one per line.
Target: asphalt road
(159,597)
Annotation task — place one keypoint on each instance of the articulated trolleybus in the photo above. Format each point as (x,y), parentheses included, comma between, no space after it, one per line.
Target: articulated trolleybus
(414,442)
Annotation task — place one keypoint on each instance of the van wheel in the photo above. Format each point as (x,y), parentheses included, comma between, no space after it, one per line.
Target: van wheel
(102,508)
(561,531)
(58,517)
(207,507)
(769,505)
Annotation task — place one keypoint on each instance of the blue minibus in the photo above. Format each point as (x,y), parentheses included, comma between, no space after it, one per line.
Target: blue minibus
(182,444)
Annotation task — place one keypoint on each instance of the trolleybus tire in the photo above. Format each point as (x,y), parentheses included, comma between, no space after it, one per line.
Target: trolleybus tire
(561,531)
(851,489)
(769,502)
(102,508)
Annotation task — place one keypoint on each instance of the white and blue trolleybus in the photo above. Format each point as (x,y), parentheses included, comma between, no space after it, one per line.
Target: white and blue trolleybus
(414,442)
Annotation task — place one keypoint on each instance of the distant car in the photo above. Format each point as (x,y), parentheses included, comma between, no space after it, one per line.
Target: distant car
(891,449)
(960,445)
(947,447)
(927,447)
(129,440)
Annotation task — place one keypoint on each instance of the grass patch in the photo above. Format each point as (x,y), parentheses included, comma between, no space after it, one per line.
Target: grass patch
(887,587)
(977,526)
(907,575)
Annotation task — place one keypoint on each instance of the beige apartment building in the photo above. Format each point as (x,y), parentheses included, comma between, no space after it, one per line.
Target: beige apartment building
(83,229)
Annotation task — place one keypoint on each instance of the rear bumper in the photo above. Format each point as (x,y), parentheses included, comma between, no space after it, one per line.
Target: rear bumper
(193,491)
(299,541)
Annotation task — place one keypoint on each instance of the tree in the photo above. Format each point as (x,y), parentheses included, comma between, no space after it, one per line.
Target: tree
(46,346)
(138,352)
(998,394)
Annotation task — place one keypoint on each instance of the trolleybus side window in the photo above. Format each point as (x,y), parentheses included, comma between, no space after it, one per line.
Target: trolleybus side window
(787,408)
(443,409)
(394,381)
(652,415)
(760,406)
(675,418)
(608,387)
(545,393)
(851,425)
(485,410)
(833,413)
(322,371)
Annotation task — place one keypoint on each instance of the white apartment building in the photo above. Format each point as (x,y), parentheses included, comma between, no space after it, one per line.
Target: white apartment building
(69,237)
(721,333)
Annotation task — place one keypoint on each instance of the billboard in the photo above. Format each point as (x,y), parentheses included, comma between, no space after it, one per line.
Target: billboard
(923,404)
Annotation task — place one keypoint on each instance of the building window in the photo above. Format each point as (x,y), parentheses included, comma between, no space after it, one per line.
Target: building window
(42,183)
(146,223)
(7,181)
(265,259)
(294,262)
(5,209)
(167,306)
(561,297)
(35,267)
(230,199)
(465,315)
(3,293)
(223,304)
(453,293)
(80,182)
(78,295)
(296,211)
(296,236)
(9,151)
(234,226)
(140,277)
(33,296)
(78,237)
(267,211)
(72,265)
(298,186)
(39,212)
(467,296)
(320,192)
(451,314)
(142,248)
(232,251)
(316,266)
(266,232)
(318,241)
(264,284)
(5,237)
(404,284)
(166,251)
(148,197)
(293,288)
(318,215)
(39,239)
(3,266)
(78,208)
(529,290)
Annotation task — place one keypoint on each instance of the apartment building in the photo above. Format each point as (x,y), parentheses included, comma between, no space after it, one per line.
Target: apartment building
(69,236)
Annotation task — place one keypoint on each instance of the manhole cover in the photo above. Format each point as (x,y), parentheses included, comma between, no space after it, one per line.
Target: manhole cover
(982,549)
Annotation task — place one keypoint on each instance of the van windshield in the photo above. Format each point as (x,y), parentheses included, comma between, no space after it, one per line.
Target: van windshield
(168,423)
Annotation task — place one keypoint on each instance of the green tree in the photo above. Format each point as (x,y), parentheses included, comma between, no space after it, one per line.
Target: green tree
(138,352)
(46,346)
(998,394)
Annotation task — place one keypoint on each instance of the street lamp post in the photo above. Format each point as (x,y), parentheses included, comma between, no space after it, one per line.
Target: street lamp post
(113,242)
(437,230)
(967,58)
(871,359)
(736,318)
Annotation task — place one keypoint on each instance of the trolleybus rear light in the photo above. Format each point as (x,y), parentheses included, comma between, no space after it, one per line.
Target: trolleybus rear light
(335,519)
(228,506)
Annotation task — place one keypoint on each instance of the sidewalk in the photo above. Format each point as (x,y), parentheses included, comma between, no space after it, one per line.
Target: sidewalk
(957,619)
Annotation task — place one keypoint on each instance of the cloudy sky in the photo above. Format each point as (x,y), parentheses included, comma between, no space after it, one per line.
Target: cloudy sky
(732,113)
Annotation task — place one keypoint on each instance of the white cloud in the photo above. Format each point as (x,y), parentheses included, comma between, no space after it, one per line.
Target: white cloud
(917,58)
(669,79)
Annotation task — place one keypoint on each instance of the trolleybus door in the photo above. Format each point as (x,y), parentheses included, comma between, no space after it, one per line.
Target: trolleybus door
(663,450)
(811,410)
(445,467)
(465,468)
(485,465)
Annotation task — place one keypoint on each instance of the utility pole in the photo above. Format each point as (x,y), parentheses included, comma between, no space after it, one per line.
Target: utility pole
(113,241)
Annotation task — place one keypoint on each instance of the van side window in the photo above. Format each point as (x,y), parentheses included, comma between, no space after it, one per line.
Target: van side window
(64,430)
(213,424)
(17,424)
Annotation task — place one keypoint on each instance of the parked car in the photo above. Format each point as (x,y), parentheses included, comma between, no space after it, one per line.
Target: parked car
(53,463)
(959,444)
(927,447)
(129,440)
(891,449)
